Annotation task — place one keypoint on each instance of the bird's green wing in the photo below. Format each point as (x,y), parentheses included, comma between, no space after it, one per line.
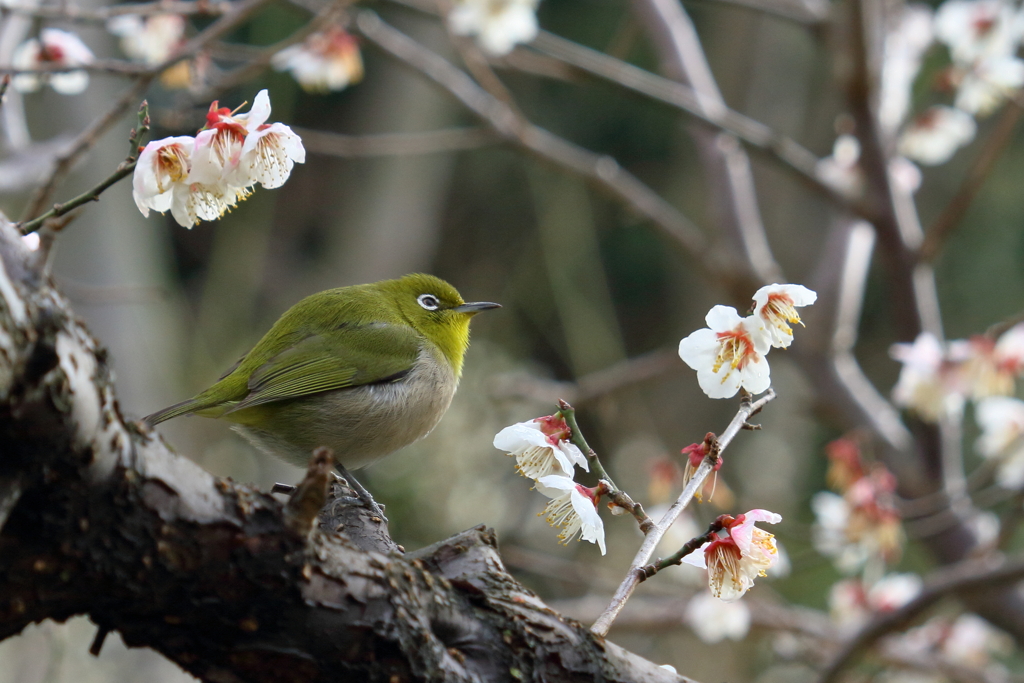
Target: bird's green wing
(350,355)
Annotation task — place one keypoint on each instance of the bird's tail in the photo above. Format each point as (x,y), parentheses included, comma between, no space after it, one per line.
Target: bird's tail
(183,408)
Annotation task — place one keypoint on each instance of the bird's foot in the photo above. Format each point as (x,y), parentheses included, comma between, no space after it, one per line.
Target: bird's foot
(364,496)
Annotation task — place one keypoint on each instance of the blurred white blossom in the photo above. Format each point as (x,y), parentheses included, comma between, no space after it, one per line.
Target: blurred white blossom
(851,603)
(977,29)
(841,169)
(934,135)
(326,60)
(928,383)
(989,83)
(714,620)
(149,40)
(1001,419)
(904,47)
(861,525)
(986,366)
(497,24)
(53,48)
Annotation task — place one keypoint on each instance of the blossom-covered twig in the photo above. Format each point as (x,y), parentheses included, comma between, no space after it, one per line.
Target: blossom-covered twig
(959,578)
(123,170)
(633,577)
(238,14)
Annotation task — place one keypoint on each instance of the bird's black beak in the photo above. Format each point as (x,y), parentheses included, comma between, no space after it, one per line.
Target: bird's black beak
(475,307)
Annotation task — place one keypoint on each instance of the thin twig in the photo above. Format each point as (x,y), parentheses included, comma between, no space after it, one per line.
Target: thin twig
(643,556)
(619,498)
(237,14)
(73,13)
(124,169)
(809,13)
(119,67)
(943,226)
(83,143)
(688,548)
(602,170)
(754,134)
(568,413)
(731,189)
(621,375)
(959,578)
(394,144)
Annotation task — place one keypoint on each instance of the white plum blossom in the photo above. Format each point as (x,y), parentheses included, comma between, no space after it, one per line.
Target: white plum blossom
(841,170)
(893,591)
(1001,419)
(933,136)
(53,48)
(32,241)
(203,177)
(989,83)
(242,149)
(151,40)
(967,641)
(541,447)
(162,182)
(270,150)
(928,384)
(735,560)
(728,354)
(775,306)
(832,515)
(904,46)
(497,24)
(714,620)
(977,29)
(971,641)
(904,174)
(859,526)
(989,367)
(327,60)
(851,603)
(573,510)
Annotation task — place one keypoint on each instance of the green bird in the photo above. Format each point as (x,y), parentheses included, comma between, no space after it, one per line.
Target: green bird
(363,370)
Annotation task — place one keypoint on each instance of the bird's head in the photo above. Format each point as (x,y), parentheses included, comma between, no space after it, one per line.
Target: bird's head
(437,311)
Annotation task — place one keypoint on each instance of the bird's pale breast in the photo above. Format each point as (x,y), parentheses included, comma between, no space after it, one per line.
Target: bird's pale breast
(360,424)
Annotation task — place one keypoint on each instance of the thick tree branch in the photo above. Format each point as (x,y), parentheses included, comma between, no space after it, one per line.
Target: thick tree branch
(98,517)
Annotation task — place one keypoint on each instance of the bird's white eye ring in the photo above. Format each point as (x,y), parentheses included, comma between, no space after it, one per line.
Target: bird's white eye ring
(428,301)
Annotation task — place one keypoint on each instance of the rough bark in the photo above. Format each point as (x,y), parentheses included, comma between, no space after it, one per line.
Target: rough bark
(99,517)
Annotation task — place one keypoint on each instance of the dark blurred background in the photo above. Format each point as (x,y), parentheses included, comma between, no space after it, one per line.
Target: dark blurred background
(584,283)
